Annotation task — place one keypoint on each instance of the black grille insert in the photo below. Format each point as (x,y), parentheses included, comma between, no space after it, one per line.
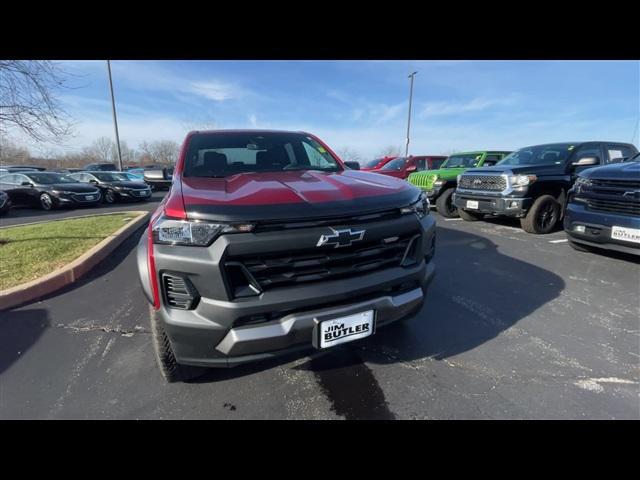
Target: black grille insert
(627,208)
(494,183)
(304,266)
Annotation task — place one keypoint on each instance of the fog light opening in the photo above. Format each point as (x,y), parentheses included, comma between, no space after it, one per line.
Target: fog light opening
(579,228)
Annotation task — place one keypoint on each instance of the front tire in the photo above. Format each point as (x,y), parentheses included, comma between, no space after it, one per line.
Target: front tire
(542,217)
(171,370)
(109,197)
(445,206)
(470,216)
(46,202)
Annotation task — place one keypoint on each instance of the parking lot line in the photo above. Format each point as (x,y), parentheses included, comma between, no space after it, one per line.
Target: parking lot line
(558,241)
(452,219)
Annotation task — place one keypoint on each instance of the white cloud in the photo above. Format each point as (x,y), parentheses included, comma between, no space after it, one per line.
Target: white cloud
(431,109)
(215,90)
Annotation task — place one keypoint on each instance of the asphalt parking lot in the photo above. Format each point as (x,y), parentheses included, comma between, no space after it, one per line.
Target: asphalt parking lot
(515,326)
(21,215)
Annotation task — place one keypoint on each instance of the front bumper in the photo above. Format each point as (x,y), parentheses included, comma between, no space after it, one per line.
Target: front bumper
(77,199)
(134,194)
(216,332)
(493,204)
(598,228)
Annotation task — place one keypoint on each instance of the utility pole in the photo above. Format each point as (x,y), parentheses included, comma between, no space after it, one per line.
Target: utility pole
(406,151)
(115,118)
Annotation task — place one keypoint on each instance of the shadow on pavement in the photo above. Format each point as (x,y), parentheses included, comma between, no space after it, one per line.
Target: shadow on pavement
(515,223)
(477,294)
(19,331)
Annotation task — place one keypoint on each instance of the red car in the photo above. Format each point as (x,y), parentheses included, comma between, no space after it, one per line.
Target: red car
(402,167)
(376,163)
(267,243)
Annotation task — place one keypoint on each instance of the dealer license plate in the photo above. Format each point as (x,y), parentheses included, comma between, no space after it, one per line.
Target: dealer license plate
(472,204)
(626,234)
(346,329)
(89,197)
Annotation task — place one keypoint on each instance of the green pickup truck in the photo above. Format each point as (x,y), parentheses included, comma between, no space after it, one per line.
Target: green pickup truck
(440,184)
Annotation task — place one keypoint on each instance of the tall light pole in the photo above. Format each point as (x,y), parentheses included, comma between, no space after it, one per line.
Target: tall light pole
(406,151)
(115,118)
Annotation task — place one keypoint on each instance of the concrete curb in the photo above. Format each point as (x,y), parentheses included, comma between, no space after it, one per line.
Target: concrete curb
(75,270)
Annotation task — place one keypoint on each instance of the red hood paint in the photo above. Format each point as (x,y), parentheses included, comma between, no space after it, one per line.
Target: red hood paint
(402,174)
(287,187)
(295,196)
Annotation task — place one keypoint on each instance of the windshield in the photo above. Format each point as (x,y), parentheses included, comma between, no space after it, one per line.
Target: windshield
(372,163)
(109,177)
(540,155)
(635,158)
(50,178)
(463,161)
(128,176)
(395,164)
(223,154)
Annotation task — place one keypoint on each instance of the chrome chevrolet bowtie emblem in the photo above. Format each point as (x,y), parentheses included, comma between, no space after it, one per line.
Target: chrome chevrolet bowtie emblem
(341,238)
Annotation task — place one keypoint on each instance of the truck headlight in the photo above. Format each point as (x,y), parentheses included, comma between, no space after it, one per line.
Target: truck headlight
(522,180)
(420,208)
(438,183)
(167,231)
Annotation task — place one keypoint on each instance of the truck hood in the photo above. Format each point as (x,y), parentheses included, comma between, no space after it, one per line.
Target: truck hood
(293,195)
(519,169)
(614,171)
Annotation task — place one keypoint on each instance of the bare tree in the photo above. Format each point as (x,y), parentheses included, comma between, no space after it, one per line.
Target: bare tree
(28,99)
(104,149)
(390,151)
(161,151)
(347,154)
(11,154)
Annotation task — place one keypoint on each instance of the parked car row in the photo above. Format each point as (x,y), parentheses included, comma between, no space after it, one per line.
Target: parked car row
(590,188)
(25,185)
(49,190)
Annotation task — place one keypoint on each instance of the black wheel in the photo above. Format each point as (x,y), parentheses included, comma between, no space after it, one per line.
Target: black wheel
(109,196)
(171,370)
(445,205)
(543,216)
(580,247)
(470,216)
(46,202)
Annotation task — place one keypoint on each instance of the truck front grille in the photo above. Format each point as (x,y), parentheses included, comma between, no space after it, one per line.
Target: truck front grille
(625,208)
(306,266)
(615,196)
(424,181)
(493,183)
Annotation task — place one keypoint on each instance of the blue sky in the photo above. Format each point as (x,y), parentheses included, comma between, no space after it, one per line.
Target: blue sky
(362,105)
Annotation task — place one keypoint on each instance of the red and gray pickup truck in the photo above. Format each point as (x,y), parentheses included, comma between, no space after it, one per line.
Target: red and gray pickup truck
(268,243)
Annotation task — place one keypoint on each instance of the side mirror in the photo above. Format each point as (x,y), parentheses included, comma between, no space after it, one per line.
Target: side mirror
(412,168)
(586,161)
(95,182)
(27,184)
(352,165)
